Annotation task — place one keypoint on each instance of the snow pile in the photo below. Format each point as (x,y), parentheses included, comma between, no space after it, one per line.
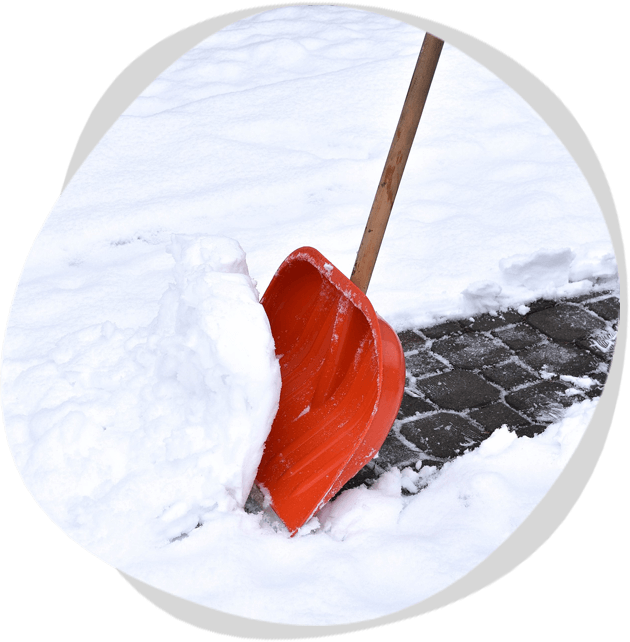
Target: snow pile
(545,273)
(482,296)
(133,437)
(543,269)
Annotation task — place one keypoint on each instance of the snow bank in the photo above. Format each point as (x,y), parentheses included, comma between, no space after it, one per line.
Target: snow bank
(131,438)
(543,269)
(548,273)
(372,551)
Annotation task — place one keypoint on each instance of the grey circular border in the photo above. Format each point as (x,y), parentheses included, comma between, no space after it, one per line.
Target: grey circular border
(555,506)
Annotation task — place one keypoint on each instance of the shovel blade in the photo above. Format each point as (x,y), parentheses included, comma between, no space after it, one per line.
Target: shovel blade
(343,375)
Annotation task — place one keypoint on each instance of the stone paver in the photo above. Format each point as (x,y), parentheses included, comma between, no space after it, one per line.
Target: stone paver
(424,363)
(471,350)
(606,308)
(565,322)
(443,435)
(394,452)
(497,414)
(560,359)
(520,336)
(412,405)
(540,304)
(458,389)
(543,401)
(509,375)
(438,331)
(411,340)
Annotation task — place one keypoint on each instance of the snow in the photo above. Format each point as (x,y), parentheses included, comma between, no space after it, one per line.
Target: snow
(139,379)
(539,270)
(138,434)
(482,296)
(585,383)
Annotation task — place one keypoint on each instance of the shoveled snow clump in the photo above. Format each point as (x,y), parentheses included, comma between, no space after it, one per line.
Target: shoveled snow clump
(133,437)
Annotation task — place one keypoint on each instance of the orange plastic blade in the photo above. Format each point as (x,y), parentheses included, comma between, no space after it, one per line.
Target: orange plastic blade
(343,375)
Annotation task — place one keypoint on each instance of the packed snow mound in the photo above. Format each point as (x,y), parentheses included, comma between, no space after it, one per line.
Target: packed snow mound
(137,436)
(482,296)
(539,270)
(550,273)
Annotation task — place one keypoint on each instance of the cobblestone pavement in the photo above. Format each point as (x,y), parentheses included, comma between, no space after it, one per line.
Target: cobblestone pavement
(466,378)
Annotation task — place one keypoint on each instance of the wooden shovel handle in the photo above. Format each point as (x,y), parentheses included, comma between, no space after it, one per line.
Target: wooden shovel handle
(396,160)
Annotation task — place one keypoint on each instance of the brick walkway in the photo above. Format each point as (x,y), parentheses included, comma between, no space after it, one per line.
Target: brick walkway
(467,378)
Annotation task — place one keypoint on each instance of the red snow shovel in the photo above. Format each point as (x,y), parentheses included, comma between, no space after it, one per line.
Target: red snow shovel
(342,366)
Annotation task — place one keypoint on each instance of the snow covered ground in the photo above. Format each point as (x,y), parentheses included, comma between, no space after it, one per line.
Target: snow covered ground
(139,381)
